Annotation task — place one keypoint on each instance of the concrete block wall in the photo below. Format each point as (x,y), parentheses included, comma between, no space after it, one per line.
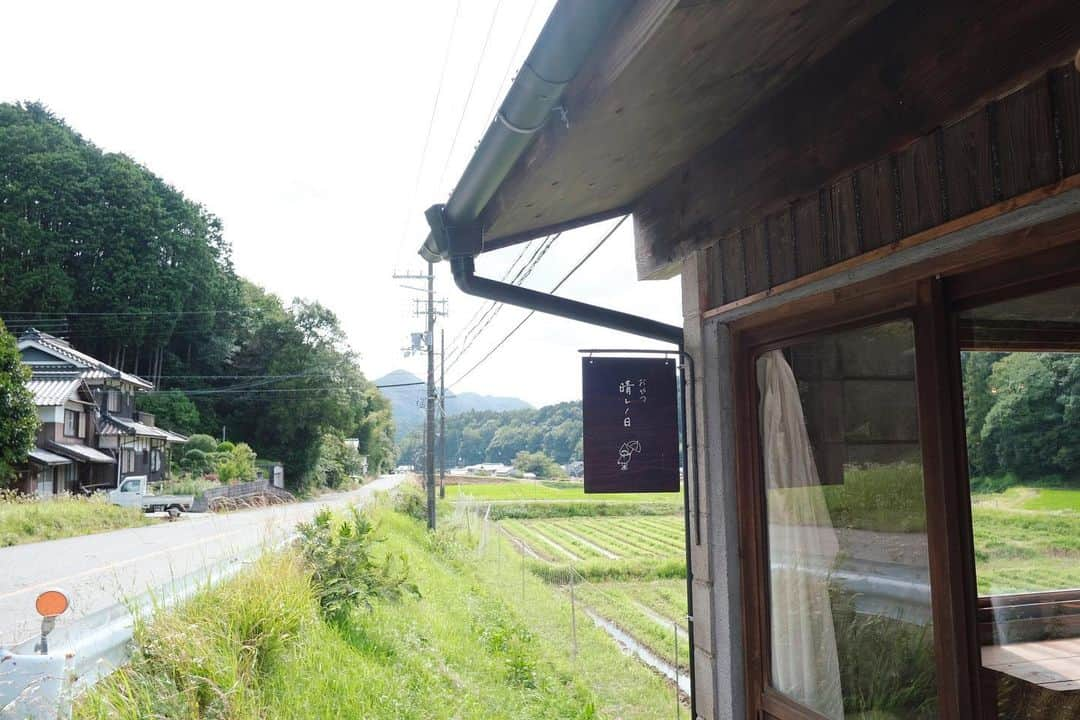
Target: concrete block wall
(718,651)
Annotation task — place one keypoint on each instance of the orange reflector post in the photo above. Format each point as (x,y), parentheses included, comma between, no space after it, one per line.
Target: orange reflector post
(51,603)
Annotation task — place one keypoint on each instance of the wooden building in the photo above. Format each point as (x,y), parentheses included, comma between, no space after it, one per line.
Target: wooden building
(88,415)
(859,197)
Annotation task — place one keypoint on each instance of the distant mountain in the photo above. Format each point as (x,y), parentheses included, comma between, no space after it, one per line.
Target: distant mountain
(408,402)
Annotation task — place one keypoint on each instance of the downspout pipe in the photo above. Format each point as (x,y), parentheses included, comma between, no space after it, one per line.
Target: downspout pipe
(570,33)
(463,268)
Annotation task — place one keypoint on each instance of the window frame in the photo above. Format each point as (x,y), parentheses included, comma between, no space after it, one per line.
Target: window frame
(932,298)
(75,420)
(953,651)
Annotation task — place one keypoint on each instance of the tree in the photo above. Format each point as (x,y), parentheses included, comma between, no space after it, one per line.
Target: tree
(337,462)
(976,368)
(145,279)
(172,410)
(1032,427)
(236,465)
(18,414)
(538,463)
(492,436)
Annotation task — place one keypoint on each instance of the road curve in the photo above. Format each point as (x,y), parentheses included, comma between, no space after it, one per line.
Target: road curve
(98,571)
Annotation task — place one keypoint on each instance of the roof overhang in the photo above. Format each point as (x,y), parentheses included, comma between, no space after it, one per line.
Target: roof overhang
(658,81)
(47,459)
(80,453)
(702,117)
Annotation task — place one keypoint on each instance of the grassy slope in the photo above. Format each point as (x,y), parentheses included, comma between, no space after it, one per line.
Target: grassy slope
(478,644)
(27,521)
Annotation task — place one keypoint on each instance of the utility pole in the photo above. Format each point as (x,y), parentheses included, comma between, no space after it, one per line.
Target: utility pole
(442,414)
(429,424)
(429,429)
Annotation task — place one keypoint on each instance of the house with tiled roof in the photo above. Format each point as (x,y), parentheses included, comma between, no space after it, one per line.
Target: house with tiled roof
(91,435)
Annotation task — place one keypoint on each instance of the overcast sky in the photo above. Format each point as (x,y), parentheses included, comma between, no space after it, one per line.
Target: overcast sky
(302,126)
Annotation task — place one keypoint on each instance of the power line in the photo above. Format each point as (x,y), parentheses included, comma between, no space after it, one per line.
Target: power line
(129,313)
(431,124)
(493,307)
(496,308)
(484,306)
(263,391)
(510,63)
(468,95)
(533,312)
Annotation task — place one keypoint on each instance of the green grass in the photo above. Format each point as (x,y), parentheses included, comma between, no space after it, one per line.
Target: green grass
(1053,500)
(548,490)
(886,498)
(28,520)
(484,640)
(1026,539)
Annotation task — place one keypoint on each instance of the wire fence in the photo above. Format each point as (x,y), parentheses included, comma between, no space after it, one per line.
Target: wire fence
(492,538)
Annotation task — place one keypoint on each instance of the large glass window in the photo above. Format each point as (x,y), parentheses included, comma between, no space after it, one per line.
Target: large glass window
(849,594)
(1021,380)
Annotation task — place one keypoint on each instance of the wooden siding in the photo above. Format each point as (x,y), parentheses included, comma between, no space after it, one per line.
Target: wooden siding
(1023,141)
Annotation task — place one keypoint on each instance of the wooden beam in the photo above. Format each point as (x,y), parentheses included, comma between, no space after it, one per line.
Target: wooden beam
(915,67)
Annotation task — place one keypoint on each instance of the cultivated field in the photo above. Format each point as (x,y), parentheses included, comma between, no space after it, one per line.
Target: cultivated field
(619,558)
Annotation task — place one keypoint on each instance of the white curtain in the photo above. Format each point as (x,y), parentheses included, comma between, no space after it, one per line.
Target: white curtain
(802,548)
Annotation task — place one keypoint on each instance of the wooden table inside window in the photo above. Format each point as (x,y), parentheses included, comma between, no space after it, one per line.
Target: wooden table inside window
(1050,664)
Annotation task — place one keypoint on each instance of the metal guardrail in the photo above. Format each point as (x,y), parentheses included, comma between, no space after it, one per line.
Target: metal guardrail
(42,687)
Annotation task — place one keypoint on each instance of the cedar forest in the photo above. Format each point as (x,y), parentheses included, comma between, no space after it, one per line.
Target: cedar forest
(97,249)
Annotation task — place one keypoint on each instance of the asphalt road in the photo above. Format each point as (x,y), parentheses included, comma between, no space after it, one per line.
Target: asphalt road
(98,571)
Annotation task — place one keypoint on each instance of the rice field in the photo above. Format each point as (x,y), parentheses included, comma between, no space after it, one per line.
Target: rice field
(651,610)
(601,538)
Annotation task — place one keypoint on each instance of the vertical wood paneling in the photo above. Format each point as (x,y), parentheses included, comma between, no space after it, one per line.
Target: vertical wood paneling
(968,176)
(808,235)
(757,259)
(843,231)
(877,198)
(731,263)
(714,277)
(782,255)
(1025,140)
(920,189)
(1066,90)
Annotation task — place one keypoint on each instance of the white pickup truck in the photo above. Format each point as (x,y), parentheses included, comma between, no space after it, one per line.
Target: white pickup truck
(133,493)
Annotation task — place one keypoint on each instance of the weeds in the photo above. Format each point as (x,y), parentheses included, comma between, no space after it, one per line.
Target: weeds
(886,664)
(410,500)
(344,573)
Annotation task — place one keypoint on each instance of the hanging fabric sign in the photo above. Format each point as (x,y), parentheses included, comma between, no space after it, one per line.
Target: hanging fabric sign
(629,413)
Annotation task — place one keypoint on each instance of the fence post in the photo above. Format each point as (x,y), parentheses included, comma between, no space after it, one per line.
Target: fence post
(678,700)
(573,615)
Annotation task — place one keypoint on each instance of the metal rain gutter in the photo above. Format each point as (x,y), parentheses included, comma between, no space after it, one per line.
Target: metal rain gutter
(466,279)
(570,33)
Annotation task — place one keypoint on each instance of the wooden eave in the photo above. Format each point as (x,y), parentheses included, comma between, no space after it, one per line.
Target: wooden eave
(668,81)
(706,119)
